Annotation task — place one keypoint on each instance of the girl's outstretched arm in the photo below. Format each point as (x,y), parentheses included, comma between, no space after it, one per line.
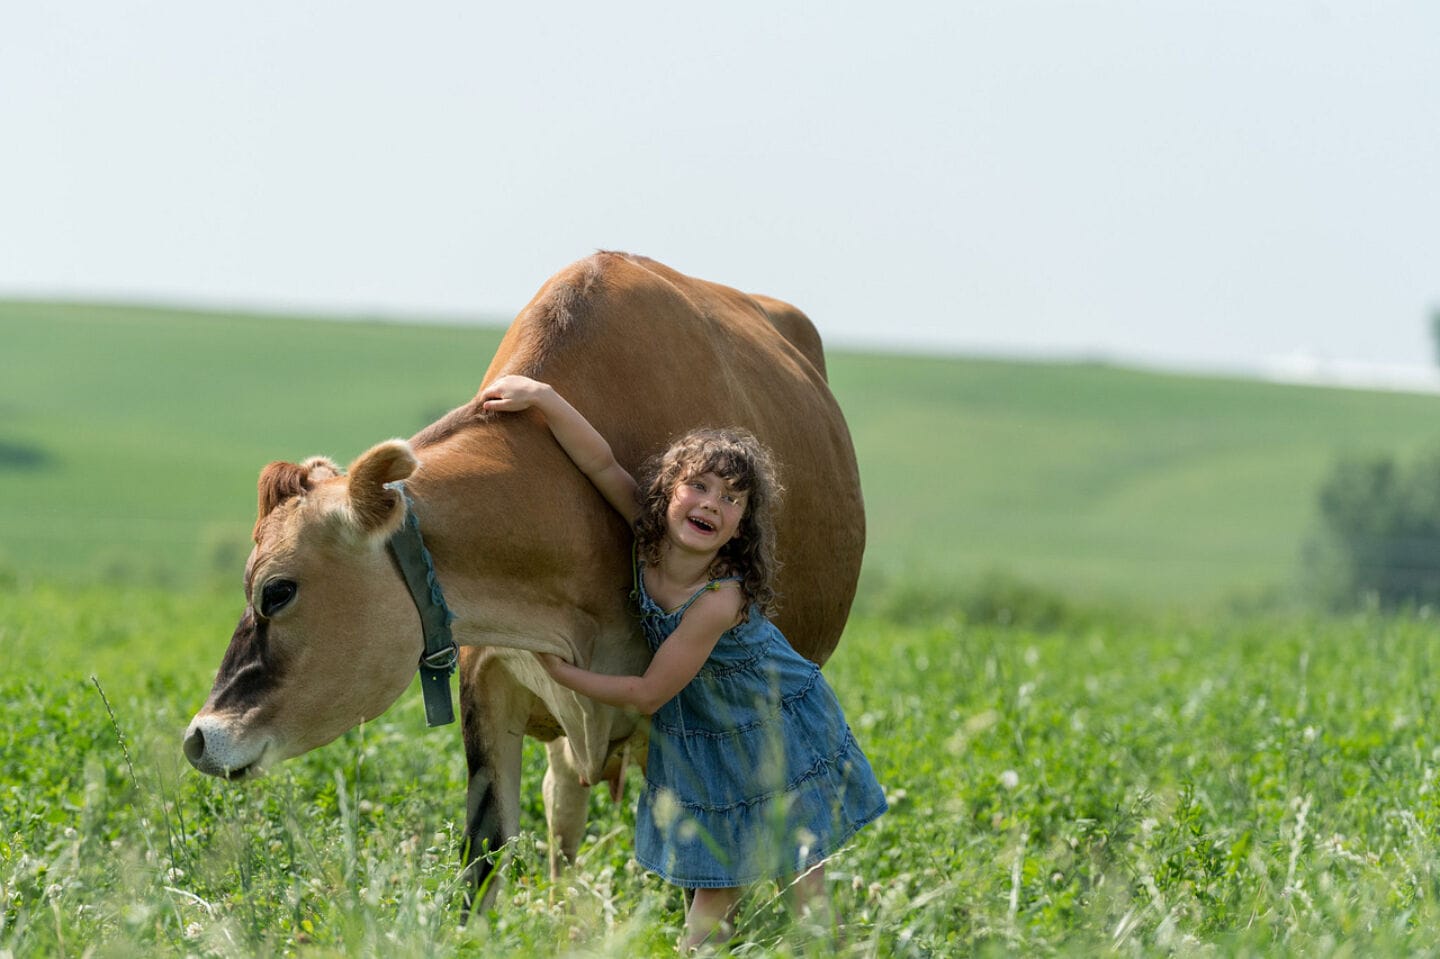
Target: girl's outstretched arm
(581,441)
(674,665)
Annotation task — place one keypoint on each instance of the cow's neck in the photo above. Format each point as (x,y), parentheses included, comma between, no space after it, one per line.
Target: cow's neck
(524,548)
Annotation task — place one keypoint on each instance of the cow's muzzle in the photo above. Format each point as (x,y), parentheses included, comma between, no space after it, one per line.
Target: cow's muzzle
(212,748)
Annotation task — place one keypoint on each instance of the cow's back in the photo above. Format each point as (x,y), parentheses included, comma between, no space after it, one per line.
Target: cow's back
(646,354)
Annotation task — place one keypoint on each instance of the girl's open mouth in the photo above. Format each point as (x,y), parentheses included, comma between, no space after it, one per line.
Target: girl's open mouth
(701,524)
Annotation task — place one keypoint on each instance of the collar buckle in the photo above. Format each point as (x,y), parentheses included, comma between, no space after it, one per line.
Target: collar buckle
(442,659)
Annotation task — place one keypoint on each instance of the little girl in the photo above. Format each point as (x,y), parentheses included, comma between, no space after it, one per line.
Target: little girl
(752,771)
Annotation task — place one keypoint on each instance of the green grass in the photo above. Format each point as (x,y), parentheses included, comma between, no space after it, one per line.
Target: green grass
(1130,786)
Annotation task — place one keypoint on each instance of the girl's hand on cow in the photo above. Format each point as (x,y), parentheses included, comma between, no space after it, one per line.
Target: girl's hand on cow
(579,439)
(510,394)
(557,667)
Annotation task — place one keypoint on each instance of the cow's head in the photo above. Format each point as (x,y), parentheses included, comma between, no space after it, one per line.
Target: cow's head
(330,636)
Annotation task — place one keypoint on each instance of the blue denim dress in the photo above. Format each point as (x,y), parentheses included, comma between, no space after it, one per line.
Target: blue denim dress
(752,772)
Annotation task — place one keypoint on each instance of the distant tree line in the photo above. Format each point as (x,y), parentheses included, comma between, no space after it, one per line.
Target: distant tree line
(1379,537)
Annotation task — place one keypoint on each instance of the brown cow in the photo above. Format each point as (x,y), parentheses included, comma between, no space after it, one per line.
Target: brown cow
(528,555)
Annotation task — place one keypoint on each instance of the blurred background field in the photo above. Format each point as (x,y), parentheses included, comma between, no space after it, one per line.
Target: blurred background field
(131,437)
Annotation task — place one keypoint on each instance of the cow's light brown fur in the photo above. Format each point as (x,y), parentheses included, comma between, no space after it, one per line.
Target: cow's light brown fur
(530,556)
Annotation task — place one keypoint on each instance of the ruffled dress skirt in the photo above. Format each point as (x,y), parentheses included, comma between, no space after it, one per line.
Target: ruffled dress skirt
(752,771)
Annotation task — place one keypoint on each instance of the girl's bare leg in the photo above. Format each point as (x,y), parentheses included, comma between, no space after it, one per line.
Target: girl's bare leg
(810,898)
(711,919)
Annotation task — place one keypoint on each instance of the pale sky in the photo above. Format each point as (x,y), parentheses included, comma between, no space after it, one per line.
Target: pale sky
(1211,184)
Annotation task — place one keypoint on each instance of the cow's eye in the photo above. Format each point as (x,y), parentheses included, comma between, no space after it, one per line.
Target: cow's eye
(276,595)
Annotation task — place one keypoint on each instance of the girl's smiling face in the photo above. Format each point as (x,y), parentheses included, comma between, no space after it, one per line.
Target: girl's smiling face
(704,513)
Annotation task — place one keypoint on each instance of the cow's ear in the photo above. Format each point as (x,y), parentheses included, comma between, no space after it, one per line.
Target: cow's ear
(280,481)
(375,508)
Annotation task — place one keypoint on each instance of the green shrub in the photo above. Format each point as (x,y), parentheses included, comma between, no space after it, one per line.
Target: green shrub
(1378,542)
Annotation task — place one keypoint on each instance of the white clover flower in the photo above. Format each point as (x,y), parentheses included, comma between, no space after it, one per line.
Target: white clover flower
(1010,779)
(666,809)
(806,840)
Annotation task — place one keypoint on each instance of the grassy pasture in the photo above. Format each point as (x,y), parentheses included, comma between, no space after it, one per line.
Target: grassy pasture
(1122,787)
(1146,776)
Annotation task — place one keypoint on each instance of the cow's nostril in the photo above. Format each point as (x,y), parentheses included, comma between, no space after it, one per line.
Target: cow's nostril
(194,745)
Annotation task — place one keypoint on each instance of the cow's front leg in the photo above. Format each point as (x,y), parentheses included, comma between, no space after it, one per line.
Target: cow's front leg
(566,802)
(493,711)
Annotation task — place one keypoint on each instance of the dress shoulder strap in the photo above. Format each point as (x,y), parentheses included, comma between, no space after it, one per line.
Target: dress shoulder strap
(709,587)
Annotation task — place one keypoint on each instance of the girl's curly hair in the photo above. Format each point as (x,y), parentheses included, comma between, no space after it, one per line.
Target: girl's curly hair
(738,457)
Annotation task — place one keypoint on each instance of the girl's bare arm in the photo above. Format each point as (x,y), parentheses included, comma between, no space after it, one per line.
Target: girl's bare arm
(580,441)
(674,665)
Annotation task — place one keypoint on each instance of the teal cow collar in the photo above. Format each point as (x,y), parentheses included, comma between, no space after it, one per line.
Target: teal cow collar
(437,662)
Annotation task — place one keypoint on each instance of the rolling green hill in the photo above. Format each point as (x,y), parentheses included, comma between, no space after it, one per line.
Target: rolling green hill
(1104,482)
(130,439)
